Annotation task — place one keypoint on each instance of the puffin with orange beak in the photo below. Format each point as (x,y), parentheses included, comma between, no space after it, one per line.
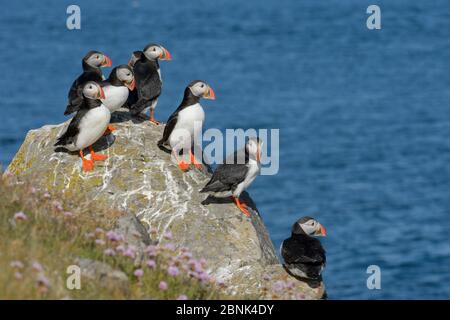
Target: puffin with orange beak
(186,124)
(88,125)
(303,254)
(148,79)
(92,62)
(117,87)
(236,174)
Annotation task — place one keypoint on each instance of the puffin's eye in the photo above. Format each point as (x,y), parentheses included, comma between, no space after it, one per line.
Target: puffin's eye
(154,49)
(202,85)
(98,57)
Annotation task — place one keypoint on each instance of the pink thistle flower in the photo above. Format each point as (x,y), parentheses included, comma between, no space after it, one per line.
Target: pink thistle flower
(33,190)
(138,273)
(182,297)
(37,266)
(16,264)
(203,277)
(151,250)
(129,252)
(266,277)
(43,281)
(68,214)
(57,205)
(169,246)
(8,174)
(18,276)
(173,271)
(163,285)
(20,216)
(278,285)
(112,236)
(168,235)
(109,252)
(151,264)
(100,242)
(120,248)
(47,195)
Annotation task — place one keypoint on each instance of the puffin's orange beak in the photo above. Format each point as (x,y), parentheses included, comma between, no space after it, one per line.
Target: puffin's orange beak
(165,55)
(131,85)
(323,231)
(258,154)
(102,93)
(210,94)
(107,62)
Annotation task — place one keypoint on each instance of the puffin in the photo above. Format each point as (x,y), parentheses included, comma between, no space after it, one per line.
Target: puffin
(88,125)
(186,123)
(148,79)
(117,87)
(236,174)
(302,253)
(92,62)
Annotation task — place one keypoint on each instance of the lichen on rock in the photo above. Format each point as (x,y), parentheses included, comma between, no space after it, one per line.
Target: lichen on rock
(140,179)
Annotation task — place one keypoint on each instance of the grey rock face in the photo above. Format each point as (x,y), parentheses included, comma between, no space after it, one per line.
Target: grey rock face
(140,179)
(104,273)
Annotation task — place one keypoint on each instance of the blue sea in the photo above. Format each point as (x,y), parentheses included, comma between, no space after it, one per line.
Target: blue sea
(364,115)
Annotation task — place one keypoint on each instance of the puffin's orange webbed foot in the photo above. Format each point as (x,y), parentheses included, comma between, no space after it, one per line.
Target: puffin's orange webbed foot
(110,129)
(88,165)
(183,165)
(194,161)
(97,157)
(154,121)
(242,206)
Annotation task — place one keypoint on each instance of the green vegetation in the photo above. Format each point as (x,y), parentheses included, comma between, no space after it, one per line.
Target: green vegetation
(41,234)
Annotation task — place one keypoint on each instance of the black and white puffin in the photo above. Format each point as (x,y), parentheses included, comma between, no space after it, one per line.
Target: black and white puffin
(117,87)
(92,63)
(236,174)
(88,125)
(148,79)
(186,123)
(303,254)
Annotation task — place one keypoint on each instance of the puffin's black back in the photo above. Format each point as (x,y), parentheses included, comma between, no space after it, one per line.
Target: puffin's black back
(305,253)
(230,174)
(148,85)
(75,96)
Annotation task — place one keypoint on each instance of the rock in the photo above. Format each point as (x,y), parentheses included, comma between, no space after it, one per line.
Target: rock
(134,233)
(104,273)
(140,179)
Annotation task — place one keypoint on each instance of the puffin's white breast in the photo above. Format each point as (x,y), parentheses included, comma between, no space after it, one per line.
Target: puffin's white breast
(92,126)
(254,169)
(189,125)
(115,97)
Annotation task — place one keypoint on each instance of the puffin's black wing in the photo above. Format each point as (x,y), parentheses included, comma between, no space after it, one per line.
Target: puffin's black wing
(75,95)
(168,128)
(226,177)
(148,86)
(303,250)
(72,129)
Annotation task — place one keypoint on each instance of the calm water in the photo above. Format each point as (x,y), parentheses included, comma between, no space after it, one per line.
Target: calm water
(363,115)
